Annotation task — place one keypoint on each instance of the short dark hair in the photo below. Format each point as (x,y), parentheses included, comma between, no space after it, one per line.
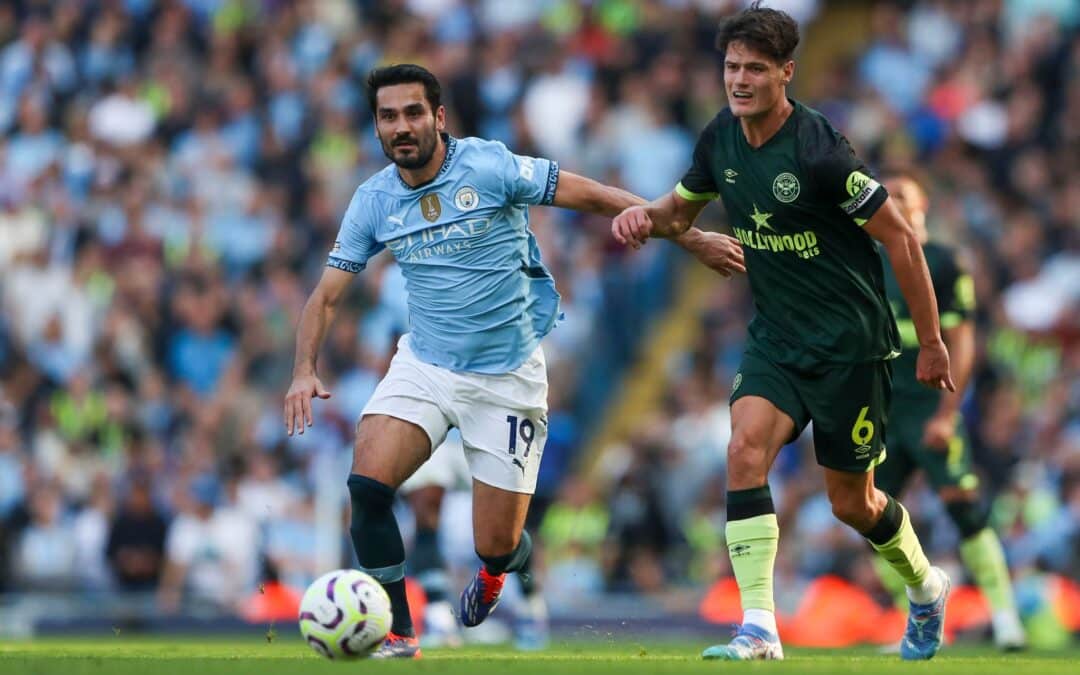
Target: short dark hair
(769,31)
(404,73)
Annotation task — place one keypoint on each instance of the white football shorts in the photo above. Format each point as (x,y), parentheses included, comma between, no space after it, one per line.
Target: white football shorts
(446,468)
(502,418)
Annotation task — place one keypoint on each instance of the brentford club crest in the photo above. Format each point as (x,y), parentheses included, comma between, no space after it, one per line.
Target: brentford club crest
(785,187)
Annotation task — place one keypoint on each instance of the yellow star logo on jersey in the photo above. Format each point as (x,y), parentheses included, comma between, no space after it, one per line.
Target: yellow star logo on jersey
(761,219)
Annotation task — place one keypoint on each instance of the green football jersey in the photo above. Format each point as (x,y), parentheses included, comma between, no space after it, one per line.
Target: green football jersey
(797,204)
(955,293)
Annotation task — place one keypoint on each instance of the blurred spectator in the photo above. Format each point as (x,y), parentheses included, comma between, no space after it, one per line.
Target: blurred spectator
(291,543)
(641,539)
(45,554)
(573,532)
(90,529)
(121,119)
(262,494)
(136,540)
(12,488)
(210,552)
(201,349)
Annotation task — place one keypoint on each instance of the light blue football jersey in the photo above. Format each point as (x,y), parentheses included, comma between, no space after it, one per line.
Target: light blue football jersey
(480,299)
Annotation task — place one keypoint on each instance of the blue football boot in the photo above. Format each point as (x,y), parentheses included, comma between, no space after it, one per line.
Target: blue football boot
(481,596)
(926,624)
(750,643)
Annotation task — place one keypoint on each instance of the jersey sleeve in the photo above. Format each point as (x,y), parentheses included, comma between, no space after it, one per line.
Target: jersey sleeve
(698,183)
(529,180)
(955,290)
(356,241)
(844,180)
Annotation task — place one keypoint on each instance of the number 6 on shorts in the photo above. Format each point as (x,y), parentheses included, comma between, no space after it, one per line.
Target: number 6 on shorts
(863,430)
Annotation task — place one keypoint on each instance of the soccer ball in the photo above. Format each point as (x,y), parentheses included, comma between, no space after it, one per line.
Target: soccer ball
(345,614)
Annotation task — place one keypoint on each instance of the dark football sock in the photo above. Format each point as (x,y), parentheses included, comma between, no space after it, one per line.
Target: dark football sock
(379,548)
(519,560)
(427,565)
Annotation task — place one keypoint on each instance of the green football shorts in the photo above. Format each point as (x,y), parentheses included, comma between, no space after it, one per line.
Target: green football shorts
(848,404)
(948,467)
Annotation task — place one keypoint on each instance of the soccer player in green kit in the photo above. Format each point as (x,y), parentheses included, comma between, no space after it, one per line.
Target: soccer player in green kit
(807,212)
(926,431)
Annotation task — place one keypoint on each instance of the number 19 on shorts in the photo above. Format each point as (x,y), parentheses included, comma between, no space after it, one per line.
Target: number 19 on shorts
(522,428)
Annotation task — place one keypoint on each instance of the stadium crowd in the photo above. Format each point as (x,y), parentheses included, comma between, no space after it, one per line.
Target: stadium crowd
(172,175)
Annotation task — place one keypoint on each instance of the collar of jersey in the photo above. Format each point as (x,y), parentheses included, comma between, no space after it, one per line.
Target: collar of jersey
(451,146)
(788,123)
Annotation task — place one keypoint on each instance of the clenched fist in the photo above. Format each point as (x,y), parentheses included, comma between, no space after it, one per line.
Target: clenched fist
(633,226)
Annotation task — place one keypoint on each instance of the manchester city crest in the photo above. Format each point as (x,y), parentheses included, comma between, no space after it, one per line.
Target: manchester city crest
(785,187)
(466,199)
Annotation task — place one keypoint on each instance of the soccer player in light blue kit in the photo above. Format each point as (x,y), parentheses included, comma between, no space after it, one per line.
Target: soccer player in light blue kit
(454,213)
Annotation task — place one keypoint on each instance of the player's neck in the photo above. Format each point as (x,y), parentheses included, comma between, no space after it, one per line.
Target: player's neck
(760,128)
(414,177)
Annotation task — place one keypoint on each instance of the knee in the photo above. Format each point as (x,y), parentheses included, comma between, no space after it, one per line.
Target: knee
(747,465)
(369,495)
(969,516)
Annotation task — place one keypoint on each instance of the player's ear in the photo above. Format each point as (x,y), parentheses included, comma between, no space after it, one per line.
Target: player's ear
(440,118)
(787,72)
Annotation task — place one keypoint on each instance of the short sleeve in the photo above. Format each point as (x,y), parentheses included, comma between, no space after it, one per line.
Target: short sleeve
(529,180)
(955,291)
(843,179)
(699,184)
(356,241)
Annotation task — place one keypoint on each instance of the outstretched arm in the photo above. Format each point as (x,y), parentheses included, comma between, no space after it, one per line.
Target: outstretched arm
(672,216)
(888,226)
(669,216)
(717,251)
(589,196)
(316,317)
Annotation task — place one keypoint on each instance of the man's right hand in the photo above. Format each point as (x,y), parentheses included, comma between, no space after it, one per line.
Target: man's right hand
(633,226)
(298,402)
(932,366)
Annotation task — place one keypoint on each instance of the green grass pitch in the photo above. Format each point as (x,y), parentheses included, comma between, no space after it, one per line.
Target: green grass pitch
(285,655)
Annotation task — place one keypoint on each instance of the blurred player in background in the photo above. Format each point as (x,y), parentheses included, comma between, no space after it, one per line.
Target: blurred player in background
(454,213)
(926,430)
(808,213)
(424,491)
